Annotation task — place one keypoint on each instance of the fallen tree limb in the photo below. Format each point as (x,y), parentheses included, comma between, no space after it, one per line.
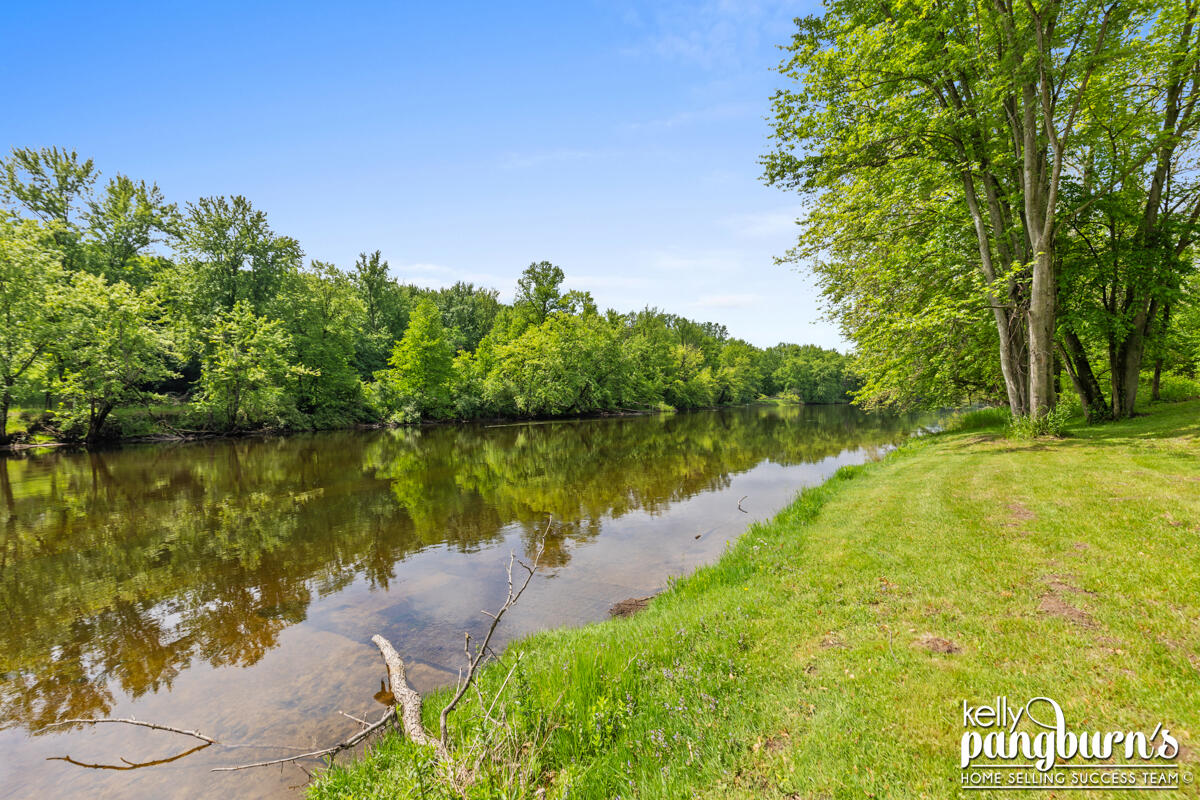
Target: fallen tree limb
(407,698)
(407,707)
(130,721)
(474,661)
(345,744)
(362,722)
(408,701)
(131,764)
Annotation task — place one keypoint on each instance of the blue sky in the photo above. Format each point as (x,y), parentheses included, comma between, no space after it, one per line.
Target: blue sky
(465,140)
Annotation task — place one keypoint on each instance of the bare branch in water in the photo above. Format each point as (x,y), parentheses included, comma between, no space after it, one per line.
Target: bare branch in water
(130,764)
(345,744)
(408,701)
(130,721)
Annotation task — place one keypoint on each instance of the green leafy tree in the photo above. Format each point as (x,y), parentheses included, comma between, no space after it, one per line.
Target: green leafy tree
(387,306)
(566,365)
(813,374)
(740,376)
(538,293)
(646,349)
(30,295)
(50,184)
(993,108)
(247,371)
(123,224)
(691,384)
(114,348)
(467,312)
(231,255)
(894,261)
(421,366)
(467,387)
(324,317)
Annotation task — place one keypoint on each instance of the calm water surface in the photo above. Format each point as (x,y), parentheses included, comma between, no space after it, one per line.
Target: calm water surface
(233,586)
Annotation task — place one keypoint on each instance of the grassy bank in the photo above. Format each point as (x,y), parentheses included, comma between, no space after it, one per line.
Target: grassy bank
(828,654)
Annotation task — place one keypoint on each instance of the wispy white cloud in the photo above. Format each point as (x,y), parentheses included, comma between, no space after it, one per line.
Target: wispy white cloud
(737,300)
(714,34)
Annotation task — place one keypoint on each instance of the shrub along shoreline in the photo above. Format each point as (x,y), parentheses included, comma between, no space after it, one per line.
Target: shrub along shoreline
(829,652)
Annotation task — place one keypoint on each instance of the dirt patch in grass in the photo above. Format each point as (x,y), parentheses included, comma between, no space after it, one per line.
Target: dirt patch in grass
(1064,584)
(772,744)
(1054,605)
(630,606)
(1018,515)
(1019,512)
(831,639)
(1052,602)
(937,644)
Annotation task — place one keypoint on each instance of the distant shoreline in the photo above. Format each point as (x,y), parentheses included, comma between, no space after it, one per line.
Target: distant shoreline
(19,448)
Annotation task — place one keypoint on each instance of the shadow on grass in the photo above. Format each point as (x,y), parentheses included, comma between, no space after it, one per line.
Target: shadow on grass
(1162,421)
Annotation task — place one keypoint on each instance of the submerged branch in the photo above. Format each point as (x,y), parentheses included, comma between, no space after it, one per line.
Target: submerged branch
(130,721)
(132,764)
(345,744)
(408,702)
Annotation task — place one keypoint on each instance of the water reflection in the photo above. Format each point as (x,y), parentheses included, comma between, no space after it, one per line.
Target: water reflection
(120,570)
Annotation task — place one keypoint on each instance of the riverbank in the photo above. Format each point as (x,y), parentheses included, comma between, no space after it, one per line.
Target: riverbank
(829,652)
(141,426)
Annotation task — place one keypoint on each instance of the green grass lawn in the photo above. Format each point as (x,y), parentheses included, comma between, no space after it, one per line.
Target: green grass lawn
(828,654)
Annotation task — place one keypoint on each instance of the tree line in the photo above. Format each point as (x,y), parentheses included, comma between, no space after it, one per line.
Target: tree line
(114,297)
(1006,194)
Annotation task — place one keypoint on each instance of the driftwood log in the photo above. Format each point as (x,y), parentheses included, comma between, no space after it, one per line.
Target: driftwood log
(407,699)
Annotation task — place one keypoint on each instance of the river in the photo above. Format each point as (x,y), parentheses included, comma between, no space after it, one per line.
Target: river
(232,586)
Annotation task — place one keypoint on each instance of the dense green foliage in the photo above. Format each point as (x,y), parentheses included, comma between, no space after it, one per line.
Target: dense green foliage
(1004,195)
(114,297)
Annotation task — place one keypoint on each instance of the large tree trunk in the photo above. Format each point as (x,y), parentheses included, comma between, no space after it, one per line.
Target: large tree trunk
(1007,313)
(5,402)
(96,423)
(1091,394)
(1126,364)
(1040,183)
(1041,330)
(1013,361)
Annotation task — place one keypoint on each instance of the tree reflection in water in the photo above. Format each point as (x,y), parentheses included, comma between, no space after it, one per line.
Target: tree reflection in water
(118,570)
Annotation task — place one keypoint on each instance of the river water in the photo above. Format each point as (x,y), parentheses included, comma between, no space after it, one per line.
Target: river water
(233,586)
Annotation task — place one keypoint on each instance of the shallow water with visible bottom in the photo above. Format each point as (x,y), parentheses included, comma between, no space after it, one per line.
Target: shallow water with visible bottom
(233,586)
